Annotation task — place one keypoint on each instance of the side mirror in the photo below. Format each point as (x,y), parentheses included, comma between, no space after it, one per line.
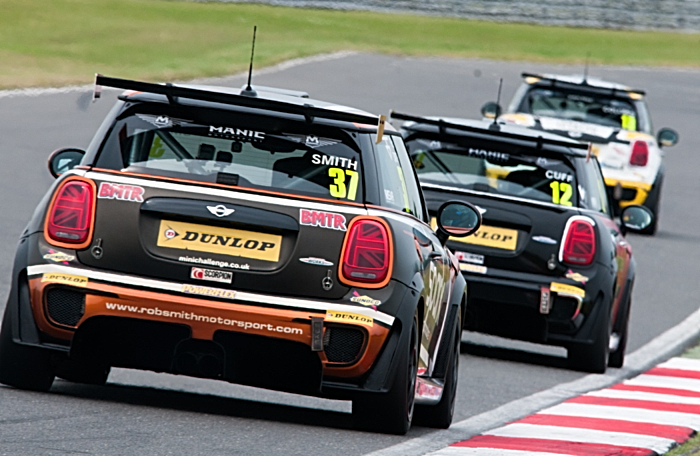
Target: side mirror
(63,160)
(635,219)
(491,110)
(457,219)
(667,137)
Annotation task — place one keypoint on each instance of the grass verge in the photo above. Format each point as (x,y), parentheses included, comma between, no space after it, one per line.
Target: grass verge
(56,42)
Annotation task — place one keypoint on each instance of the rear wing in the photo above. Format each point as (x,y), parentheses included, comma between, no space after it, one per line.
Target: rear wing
(173,93)
(553,82)
(442,125)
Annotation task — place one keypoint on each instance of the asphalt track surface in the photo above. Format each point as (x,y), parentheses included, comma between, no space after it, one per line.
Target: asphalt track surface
(157,414)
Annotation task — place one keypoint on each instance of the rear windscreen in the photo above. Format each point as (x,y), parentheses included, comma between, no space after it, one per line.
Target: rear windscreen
(239,151)
(503,171)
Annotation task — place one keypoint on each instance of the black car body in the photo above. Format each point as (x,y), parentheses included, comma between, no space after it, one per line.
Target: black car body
(260,238)
(549,264)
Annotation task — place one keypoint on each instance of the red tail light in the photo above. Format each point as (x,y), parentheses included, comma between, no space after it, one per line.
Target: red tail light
(71,214)
(367,254)
(579,242)
(640,153)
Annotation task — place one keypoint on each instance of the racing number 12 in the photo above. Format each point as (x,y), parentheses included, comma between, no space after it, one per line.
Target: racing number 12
(338,187)
(557,189)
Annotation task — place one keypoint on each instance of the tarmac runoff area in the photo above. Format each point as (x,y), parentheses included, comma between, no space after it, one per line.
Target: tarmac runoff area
(597,415)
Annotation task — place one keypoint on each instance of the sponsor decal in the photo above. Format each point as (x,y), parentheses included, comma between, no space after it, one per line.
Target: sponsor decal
(576,276)
(473,268)
(161,121)
(237,133)
(210,262)
(365,300)
(121,192)
(467,257)
(210,292)
(211,275)
(321,219)
(334,160)
(545,300)
(58,257)
(567,289)
(549,123)
(544,240)
(489,155)
(488,236)
(57,277)
(220,210)
(224,241)
(347,317)
(316,261)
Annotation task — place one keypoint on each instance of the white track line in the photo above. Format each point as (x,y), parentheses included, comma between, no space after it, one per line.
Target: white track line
(464,451)
(566,434)
(682,363)
(626,414)
(643,396)
(660,381)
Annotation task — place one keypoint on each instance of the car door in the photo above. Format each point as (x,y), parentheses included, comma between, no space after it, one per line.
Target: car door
(400,191)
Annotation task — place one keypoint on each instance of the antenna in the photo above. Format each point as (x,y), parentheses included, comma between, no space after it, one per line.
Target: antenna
(585,69)
(248,91)
(494,125)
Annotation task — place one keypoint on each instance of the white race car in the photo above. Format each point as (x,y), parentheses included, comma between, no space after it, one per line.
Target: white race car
(612,117)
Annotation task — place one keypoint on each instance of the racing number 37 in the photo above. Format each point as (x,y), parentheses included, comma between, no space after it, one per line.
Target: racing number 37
(561,193)
(339,188)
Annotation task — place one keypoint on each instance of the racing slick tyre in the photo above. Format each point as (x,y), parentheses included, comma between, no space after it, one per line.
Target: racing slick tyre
(440,415)
(593,357)
(23,367)
(78,372)
(652,203)
(392,412)
(621,328)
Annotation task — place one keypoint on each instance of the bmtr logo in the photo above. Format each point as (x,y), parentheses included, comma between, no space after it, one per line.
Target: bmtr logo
(109,190)
(322,219)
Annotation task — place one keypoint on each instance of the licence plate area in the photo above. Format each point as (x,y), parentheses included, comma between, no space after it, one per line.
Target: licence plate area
(217,240)
(491,236)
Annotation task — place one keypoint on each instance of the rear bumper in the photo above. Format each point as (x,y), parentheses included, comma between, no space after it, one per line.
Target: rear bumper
(628,192)
(513,307)
(136,322)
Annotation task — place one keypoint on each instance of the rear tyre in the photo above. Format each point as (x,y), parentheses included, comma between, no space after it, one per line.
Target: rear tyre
(617,357)
(440,415)
(77,372)
(392,412)
(653,204)
(23,367)
(593,357)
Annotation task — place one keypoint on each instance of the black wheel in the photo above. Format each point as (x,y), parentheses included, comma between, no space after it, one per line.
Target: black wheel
(653,204)
(21,366)
(392,412)
(593,357)
(440,415)
(621,330)
(78,372)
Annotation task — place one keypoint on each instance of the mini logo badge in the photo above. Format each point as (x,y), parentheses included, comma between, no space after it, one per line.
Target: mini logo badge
(212,275)
(544,240)
(316,261)
(221,210)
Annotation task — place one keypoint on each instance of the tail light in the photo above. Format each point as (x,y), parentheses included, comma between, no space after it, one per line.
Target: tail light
(71,214)
(640,153)
(579,241)
(367,254)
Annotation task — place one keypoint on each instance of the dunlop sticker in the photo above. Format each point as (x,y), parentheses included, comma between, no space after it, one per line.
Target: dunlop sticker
(346,317)
(568,289)
(206,291)
(488,236)
(473,268)
(224,241)
(56,277)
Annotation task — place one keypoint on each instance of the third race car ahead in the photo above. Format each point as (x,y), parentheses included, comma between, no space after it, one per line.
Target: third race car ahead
(549,264)
(613,117)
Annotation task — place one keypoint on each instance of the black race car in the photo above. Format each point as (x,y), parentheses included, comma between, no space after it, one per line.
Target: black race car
(549,264)
(257,237)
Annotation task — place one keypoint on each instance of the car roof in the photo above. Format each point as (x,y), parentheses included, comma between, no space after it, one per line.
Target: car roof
(505,133)
(582,82)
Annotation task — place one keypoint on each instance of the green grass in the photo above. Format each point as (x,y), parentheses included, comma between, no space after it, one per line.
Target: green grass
(55,42)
